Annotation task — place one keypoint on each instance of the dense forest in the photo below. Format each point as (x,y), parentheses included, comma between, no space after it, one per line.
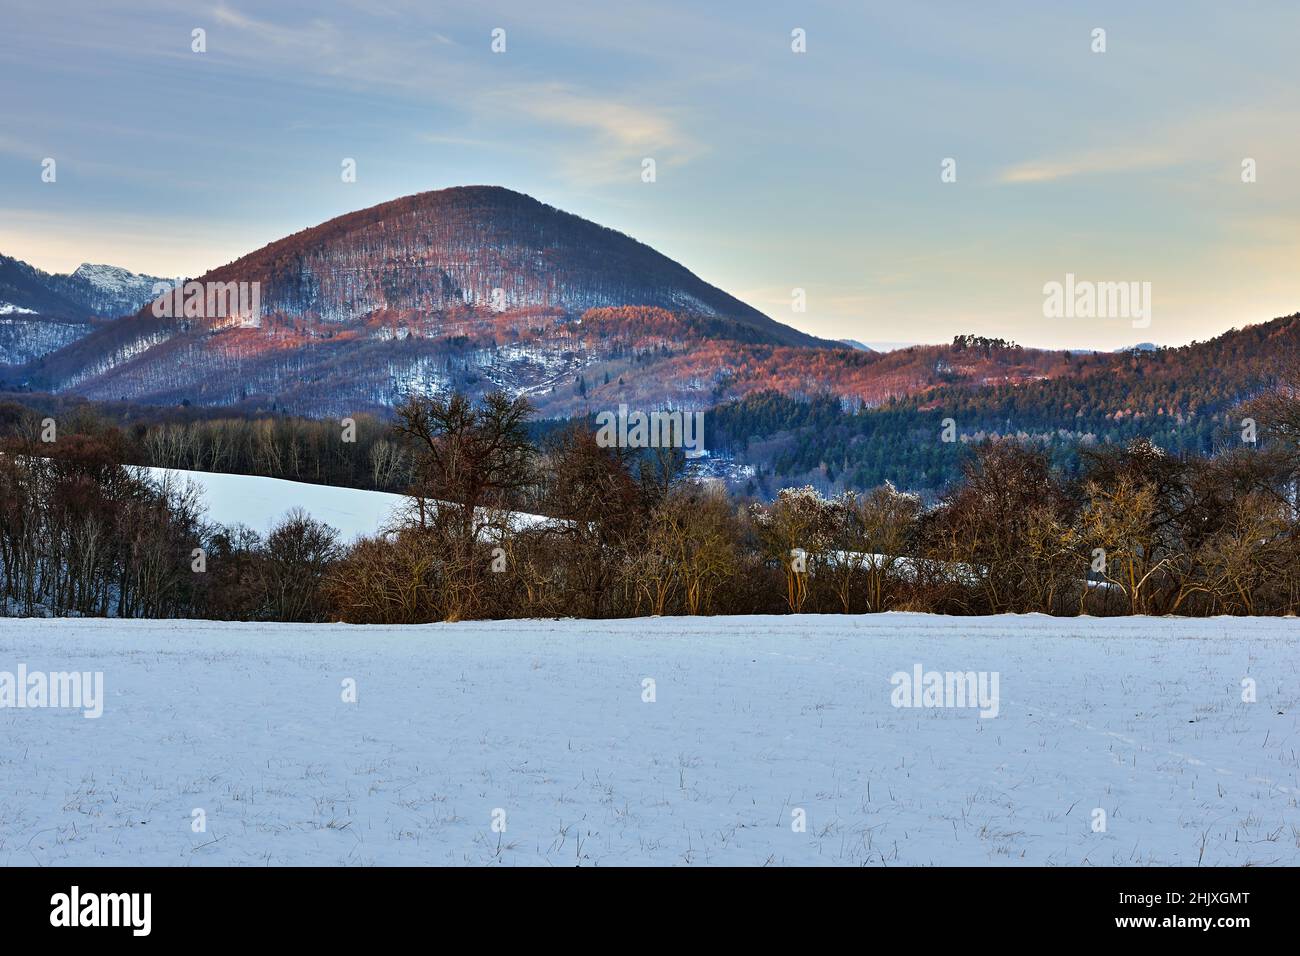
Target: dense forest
(1185,401)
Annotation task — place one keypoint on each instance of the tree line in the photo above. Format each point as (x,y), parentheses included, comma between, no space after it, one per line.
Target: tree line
(82,534)
(501,523)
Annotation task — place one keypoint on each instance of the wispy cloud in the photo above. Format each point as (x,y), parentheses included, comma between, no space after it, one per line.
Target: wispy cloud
(613,121)
(600,138)
(1098,162)
(591,137)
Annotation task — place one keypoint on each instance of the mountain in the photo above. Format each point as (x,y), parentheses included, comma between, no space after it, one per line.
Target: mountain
(26,290)
(480,288)
(855,344)
(92,291)
(41,312)
(107,291)
(473,287)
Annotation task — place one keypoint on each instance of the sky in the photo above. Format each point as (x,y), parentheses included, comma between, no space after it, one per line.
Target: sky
(775,170)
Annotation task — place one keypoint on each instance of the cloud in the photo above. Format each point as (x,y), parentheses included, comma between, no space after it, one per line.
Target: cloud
(600,138)
(591,137)
(1099,162)
(615,122)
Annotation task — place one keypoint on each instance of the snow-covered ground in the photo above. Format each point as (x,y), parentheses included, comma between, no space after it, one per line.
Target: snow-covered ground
(544,726)
(260,503)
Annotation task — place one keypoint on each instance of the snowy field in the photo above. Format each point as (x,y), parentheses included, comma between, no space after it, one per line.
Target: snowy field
(542,726)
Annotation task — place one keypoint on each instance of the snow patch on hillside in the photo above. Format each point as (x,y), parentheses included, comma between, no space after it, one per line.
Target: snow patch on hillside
(260,503)
(115,281)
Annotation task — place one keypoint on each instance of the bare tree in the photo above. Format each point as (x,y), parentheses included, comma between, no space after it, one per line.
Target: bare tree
(467,457)
(299,553)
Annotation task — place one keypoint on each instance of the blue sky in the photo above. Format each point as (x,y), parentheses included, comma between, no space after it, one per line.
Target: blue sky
(775,170)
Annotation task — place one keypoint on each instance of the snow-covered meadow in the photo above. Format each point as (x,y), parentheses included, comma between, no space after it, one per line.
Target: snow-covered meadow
(756,724)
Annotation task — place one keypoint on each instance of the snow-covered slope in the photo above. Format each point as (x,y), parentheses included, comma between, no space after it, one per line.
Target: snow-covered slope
(91,290)
(108,291)
(44,312)
(545,728)
(24,335)
(260,502)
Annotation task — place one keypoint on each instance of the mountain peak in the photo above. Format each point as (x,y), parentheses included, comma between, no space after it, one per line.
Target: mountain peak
(101,291)
(470,287)
(481,247)
(112,278)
